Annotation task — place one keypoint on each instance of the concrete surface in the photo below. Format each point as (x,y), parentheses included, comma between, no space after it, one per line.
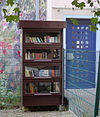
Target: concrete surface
(20,113)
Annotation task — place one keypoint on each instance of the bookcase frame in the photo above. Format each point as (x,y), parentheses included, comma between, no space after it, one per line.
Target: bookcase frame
(46,99)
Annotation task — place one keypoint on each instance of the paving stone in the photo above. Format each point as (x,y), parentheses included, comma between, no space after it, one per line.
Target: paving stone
(20,113)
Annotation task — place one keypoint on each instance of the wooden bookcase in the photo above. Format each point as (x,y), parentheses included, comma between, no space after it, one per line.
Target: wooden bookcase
(42,62)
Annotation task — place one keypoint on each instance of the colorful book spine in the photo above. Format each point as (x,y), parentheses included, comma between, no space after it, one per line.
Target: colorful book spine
(29,54)
(55,39)
(38,39)
(41,40)
(31,88)
(58,38)
(53,73)
(48,39)
(26,56)
(45,39)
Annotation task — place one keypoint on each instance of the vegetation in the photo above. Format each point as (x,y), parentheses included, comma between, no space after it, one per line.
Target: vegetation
(14,15)
(94,4)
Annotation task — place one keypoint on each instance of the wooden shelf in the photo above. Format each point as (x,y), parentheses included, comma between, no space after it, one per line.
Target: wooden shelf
(42,45)
(43,94)
(38,60)
(43,61)
(56,79)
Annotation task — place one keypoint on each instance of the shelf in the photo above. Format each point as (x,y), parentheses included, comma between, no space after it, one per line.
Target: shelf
(41,54)
(36,60)
(35,78)
(45,43)
(49,79)
(42,77)
(44,94)
(42,44)
(44,61)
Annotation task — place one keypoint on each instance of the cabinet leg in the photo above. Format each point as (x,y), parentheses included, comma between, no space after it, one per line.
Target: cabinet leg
(62,108)
(24,109)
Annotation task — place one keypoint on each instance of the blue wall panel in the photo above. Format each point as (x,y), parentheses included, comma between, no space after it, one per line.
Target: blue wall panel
(81,55)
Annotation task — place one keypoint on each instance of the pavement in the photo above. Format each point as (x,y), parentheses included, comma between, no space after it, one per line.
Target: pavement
(20,113)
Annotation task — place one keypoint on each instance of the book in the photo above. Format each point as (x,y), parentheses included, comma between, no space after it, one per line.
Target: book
(38,40)
(29,54)
(31,86)
(50,72)
(32,55)
(58,38)
(35,71)
(55,39)
(27,74)
(41,56)
(41,40)
(43,73)
(45,55)
(26,56)
(30,39)
(45,39)
(53,73)
(33,39)
(48,39)
(51,39)
(40,73)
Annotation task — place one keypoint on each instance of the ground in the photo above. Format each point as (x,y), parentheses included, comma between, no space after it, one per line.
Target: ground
(20,113)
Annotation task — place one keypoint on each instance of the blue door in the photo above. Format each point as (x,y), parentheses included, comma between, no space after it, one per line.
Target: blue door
(81,55)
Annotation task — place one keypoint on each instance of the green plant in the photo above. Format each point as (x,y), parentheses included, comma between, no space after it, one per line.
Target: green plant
(95,5)
(14,14)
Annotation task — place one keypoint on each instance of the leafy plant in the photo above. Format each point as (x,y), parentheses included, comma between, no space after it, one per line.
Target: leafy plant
(14,16)
(96,11)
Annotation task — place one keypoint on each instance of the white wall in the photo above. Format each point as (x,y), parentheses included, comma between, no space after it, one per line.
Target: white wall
(56,9)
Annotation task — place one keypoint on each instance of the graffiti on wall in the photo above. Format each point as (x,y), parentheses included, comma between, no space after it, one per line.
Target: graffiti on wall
(10,58)
(42,9)
(10,50)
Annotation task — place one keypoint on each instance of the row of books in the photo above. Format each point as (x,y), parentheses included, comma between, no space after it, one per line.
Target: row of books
(32,55)
(35,72)
(45,39)
(34,88)
(30,88)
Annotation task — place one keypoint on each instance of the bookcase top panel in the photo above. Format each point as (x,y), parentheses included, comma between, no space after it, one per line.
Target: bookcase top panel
(26,24)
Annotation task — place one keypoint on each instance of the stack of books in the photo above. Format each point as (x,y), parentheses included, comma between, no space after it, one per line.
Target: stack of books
(44,39)
(29,55)
(36,72)
(42,54)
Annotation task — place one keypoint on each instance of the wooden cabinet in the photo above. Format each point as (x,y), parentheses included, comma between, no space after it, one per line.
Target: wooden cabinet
(42,62)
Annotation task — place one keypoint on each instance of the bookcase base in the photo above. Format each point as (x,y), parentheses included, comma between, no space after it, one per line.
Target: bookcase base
(42,100)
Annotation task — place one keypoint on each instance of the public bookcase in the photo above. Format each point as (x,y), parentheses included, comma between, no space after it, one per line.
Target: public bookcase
(42,45)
